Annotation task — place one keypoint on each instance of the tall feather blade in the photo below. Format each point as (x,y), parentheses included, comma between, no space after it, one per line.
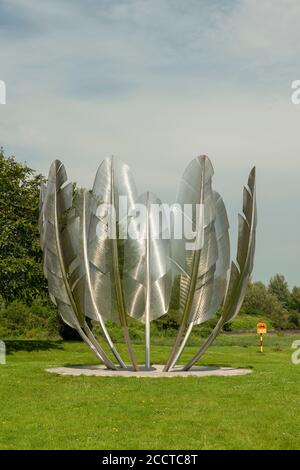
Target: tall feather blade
(62,265)
(147,274)
(99,256)
(99,248)
(113,185)
(58,254)
(104,223)
(245,252)
(135,261)
(199,263)
(99,245)
(206,274)
(223,261)
(85,278)
(240,272)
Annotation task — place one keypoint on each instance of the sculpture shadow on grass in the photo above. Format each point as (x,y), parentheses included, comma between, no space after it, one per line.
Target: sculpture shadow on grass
(13,346)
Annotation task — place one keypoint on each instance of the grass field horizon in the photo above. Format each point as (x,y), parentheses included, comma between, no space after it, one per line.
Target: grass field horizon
(45,411)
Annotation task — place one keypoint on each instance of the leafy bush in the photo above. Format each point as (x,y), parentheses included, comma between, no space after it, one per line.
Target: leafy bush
(263,302)
(294,320)
(38,321)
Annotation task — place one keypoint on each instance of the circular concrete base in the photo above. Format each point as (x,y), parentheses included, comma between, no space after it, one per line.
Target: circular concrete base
(156,371)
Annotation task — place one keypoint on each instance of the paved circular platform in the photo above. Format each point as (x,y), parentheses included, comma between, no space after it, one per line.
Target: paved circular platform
(156,371)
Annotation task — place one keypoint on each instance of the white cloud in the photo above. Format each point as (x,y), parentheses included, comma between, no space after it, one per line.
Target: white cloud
(263,31)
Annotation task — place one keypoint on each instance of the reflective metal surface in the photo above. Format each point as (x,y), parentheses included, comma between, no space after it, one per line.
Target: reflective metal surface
(104,262)
(147,277)
(241,269)
(62,266)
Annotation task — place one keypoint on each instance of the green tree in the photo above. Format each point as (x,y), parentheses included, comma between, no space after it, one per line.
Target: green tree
(294,307)
(279,287)
(295,299)
(21,274)
(260,301)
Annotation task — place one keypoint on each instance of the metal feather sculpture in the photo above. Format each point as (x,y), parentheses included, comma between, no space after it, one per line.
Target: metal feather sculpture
(113,181)
(217,286)
(147,273)
(103,261)
(59,227)
(197,278)
(92,293)
(240,272)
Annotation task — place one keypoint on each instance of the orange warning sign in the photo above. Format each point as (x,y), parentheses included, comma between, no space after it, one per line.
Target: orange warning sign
(261,328)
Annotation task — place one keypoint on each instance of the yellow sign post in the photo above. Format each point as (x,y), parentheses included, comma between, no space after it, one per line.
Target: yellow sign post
(261,330)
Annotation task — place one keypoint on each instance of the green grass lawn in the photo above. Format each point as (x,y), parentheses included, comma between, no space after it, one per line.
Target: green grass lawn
(39,410)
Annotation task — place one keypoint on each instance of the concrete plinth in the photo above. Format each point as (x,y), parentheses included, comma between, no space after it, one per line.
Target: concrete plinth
(156,371)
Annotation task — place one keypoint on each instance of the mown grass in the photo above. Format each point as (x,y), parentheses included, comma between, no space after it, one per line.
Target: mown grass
(39,410)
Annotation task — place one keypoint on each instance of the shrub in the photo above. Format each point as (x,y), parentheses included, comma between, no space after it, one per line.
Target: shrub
(294,320)
(19,320)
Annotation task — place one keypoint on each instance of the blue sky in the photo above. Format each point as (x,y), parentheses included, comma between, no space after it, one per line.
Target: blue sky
(158,82)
